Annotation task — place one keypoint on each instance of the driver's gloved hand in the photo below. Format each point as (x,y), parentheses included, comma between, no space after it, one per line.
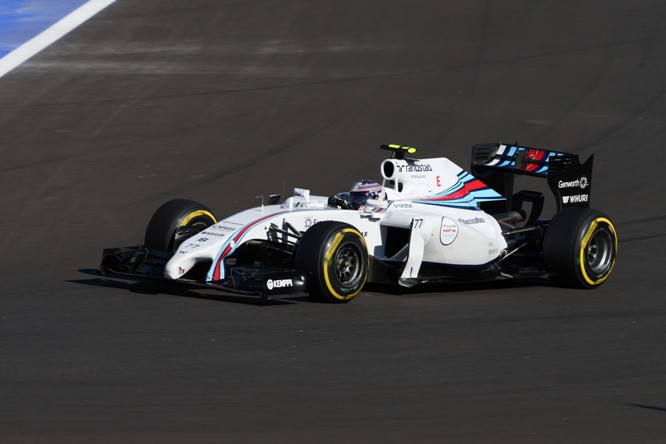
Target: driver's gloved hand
(338,202)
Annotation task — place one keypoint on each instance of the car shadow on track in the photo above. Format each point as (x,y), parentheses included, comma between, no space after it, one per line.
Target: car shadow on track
(458,287)
(645,406)
(153,287)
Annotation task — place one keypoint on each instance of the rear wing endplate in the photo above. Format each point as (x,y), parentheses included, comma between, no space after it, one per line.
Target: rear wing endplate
(569,180)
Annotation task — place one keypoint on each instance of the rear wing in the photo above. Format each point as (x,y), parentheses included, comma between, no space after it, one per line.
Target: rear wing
(569,180)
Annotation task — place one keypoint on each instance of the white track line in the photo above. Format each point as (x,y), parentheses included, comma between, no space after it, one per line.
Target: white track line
(50,35)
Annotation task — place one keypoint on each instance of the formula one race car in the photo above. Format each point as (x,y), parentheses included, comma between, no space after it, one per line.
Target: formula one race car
(429,221)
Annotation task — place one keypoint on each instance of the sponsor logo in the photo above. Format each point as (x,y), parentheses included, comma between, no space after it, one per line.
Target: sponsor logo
(581,183)
(403,205)
(310,221)
(208,233)
(473,221)
(577,198)
(448,231)
(222,228)
(279,283)
(414,168)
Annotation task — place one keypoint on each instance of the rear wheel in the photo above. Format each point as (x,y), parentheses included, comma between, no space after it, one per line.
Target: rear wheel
(579,248)
(176,221)
(336,256)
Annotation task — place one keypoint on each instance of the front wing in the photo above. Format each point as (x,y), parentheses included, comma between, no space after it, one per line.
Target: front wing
(140,262)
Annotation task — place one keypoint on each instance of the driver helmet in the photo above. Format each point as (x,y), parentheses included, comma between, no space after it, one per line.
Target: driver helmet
(362,191)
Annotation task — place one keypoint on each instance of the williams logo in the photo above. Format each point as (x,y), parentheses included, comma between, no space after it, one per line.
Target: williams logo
(448,232)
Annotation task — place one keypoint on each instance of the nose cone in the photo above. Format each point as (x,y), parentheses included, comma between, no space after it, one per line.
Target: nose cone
(178,266)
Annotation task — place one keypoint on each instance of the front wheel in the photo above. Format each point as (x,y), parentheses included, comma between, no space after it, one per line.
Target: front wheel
(579,248)
(176,221)
(336,256)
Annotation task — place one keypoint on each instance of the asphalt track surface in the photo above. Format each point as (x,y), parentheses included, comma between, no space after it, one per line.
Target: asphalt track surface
(223,101)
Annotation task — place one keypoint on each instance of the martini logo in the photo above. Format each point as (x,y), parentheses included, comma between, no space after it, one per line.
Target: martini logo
(448,231)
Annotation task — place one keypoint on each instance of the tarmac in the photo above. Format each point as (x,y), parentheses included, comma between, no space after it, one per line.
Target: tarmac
(221,102)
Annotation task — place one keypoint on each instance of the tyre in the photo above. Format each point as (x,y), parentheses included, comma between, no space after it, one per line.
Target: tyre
(336,256)
(579,248)
(176,221)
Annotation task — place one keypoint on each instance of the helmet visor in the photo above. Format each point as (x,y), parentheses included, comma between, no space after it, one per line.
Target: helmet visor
(359,198)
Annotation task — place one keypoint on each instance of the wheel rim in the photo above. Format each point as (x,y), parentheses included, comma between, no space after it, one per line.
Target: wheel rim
(188,231)
(348,264)
(598,253)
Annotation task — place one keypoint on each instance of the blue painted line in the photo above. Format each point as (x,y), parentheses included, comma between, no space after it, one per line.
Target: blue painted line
(29,26)
(21,20)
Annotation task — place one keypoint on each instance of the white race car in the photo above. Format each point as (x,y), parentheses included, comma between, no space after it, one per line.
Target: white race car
(429,221)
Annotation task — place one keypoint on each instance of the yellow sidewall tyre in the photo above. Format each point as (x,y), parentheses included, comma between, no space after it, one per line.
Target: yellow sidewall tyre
(580,248)
(175,221)
(336,256)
